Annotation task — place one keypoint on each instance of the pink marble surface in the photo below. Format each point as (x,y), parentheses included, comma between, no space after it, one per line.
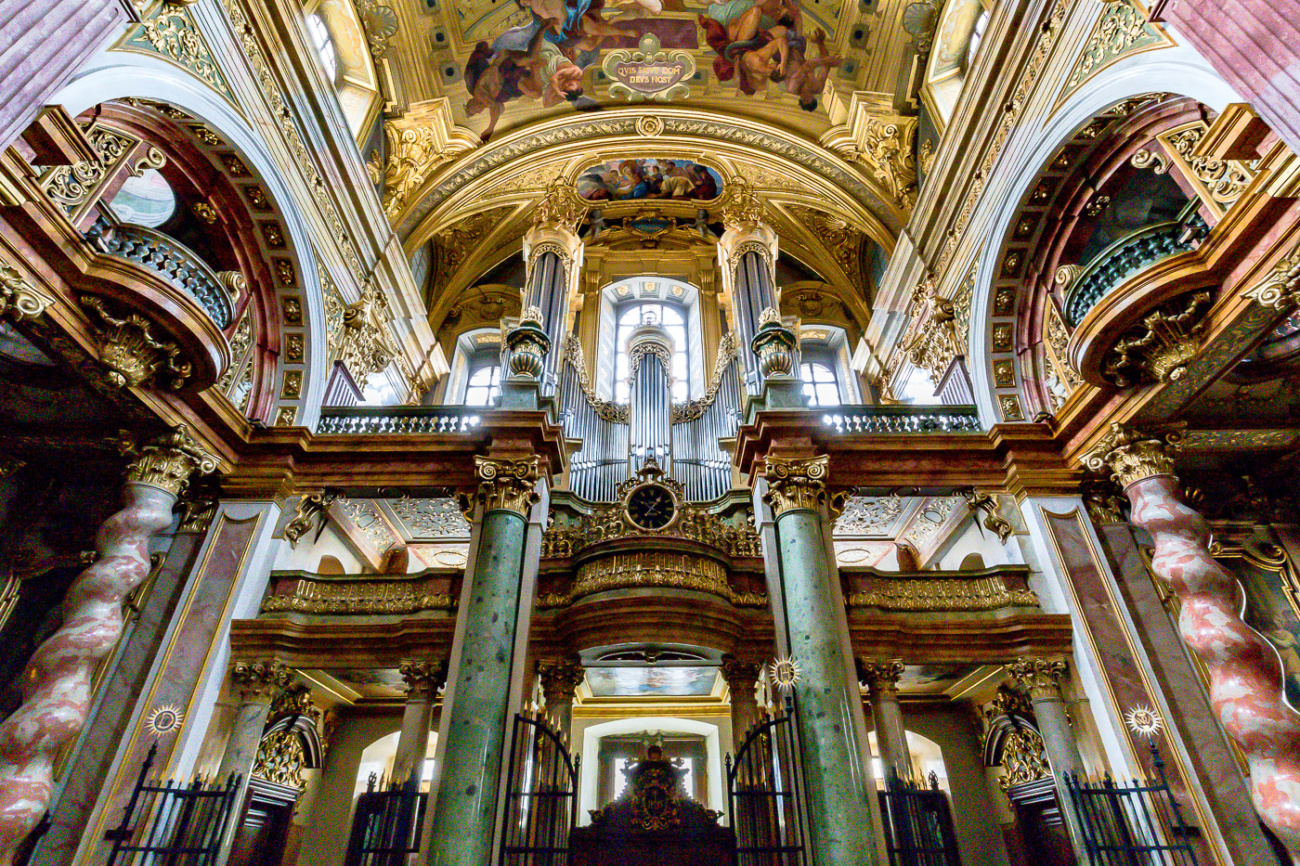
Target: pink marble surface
(1245,678)
(56,685)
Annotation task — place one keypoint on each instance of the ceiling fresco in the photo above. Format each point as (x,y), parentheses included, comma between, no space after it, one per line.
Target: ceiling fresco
(502,63)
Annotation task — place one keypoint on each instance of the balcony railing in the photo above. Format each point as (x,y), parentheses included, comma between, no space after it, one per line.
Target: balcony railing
(1126,257)
(179,264)
(903,419)
(401,420)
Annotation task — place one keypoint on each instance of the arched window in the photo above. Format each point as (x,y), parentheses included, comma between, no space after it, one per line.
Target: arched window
(484,384)
(819,383)
(633,315)
(324,45)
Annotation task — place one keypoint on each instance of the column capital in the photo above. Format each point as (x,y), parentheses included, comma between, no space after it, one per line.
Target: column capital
(880,675)
(796,483)
(507,484)
(560,210)
(259,682)
(423,678)
(167,461)
(1130,455)
(740,675)
(742,212)
(1040,677)
(560,678)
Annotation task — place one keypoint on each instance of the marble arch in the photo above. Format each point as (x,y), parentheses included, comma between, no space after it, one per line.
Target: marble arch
(1177,71)
(120,76)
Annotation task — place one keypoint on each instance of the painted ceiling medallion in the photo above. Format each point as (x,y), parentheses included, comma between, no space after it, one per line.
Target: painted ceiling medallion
(649,72)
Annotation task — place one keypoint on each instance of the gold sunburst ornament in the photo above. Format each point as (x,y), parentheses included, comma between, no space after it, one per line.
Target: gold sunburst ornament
(784,672)
(164,720)
(1144,721)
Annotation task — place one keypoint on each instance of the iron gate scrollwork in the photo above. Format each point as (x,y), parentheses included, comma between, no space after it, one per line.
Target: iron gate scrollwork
(541,796)
(764,794)
(918,824)
(387,823)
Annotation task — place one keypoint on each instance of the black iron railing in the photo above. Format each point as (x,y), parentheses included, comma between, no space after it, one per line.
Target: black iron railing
(764,794)
(1126,257)
(172,824)
(918,824)
(400,420)
(1131,823)
(541,796)
(903,419)
(387,823)
(178,263)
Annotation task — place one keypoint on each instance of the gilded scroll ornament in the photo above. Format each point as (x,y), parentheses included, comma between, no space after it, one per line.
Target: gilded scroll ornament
(508,484)
(415,152)
(795,483)
(1280,290)
(560,207)
(1128,454)
(1122,29)
(280,759)
(167,461)
(606,409)
(931,341)
(171,32)
(982,503)
(742,210)
(1040,677)
(727,352)
(1220,182)
(1159,348)
(1023,758)
(886,151)
(366,345)
(18,298)
(609,522)
(309,507)
(259,682)
(73,186)
(134,355)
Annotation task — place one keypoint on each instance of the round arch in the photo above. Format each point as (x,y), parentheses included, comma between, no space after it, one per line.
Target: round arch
(1179,71)
(115,75)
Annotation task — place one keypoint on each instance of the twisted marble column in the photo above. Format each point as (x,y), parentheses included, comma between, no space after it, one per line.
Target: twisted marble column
(1245,678)
(56,684)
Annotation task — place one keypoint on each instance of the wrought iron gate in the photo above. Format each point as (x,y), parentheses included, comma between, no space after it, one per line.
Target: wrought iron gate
(764,794)
(387,823)
(918,824)
(1133,824)
(170,823)
(541,796)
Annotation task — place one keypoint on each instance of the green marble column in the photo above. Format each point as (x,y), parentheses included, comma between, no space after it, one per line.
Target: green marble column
(839,822)
(464,813)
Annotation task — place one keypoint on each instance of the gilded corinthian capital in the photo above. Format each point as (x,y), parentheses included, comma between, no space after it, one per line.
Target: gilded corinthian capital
(507,484)
(259,681)
(880,676)
(1040,677)
(797,483)
(1130,455)
(168,461)
(423,678)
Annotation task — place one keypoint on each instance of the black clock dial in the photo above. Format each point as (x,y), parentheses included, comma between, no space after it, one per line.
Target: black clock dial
(651,507)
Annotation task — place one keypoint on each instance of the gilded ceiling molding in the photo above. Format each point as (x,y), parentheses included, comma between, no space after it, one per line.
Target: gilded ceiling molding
(246,36)
(882,142)
(692,128)
(170,30)
(1121,30)
(418,144)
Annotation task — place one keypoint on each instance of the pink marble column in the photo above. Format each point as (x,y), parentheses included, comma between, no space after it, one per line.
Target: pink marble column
(1245,678)
(56,685)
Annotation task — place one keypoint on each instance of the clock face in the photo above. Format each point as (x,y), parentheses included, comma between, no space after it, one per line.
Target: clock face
(651,507)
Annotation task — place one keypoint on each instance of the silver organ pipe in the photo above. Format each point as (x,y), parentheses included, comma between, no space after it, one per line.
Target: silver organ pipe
(650,404)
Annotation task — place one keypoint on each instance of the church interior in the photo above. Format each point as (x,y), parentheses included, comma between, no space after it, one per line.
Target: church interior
(650,433)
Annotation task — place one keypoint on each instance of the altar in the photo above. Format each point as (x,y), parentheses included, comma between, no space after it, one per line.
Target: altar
(653,823)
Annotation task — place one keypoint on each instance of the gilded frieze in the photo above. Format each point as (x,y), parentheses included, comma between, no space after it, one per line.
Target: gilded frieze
(358,597)
(654,569)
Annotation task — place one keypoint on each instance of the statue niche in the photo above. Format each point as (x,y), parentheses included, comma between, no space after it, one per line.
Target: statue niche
(653,823)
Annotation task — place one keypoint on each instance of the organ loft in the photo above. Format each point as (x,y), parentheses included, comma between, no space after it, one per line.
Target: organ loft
(649,432)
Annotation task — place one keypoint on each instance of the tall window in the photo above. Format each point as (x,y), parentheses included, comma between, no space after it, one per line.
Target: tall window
(819,383)
(324,45)
(484,385)
(631,317)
